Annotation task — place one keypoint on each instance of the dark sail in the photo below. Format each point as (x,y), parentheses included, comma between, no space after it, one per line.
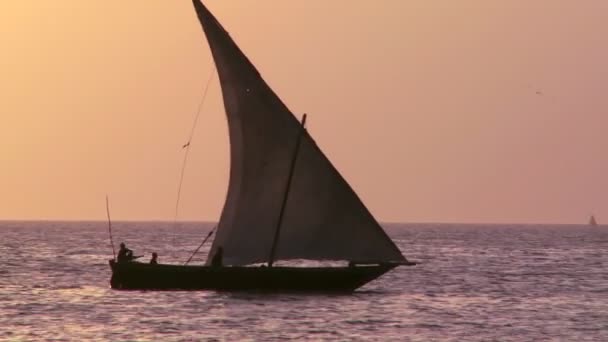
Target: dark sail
(592,221)
(324,219)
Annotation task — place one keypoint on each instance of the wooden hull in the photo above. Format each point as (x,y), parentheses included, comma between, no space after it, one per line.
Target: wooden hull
(140,276)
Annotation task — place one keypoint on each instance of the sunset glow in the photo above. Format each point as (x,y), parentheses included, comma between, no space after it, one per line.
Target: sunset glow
(470,111)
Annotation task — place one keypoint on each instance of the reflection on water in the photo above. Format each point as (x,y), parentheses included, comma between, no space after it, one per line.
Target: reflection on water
(474,283)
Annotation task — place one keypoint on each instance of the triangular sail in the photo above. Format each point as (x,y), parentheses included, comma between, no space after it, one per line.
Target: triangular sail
(324,219)
(592,221)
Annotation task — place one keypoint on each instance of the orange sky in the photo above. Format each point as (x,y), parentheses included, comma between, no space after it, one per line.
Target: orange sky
(428,108)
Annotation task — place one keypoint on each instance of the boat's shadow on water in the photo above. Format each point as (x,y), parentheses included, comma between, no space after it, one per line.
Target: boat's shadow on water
(271,295)
(295,296)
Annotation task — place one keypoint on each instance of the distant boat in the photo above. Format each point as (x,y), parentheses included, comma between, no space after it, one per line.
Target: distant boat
(285,201)
(592,221)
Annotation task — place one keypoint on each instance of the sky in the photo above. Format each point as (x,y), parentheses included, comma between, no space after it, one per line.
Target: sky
(434,111)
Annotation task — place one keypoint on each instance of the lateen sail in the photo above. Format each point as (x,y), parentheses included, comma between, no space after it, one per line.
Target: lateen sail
(592,221)
(324,219)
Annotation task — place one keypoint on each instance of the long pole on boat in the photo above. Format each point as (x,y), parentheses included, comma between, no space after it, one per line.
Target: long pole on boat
(201,245)
(292,167)
(110,227)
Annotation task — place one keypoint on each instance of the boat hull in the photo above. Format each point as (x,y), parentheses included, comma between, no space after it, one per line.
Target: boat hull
(140,276)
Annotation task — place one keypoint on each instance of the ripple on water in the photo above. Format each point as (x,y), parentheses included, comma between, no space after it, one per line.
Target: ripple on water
(507,283)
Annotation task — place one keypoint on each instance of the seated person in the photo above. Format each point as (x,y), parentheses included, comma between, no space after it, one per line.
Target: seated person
(217,257)
(124,254)
(154,260)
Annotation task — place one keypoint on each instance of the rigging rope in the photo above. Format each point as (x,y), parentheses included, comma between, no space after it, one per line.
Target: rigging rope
(187,145)
(201,245)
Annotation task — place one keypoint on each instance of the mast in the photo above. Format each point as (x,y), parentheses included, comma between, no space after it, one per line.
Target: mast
(292,167)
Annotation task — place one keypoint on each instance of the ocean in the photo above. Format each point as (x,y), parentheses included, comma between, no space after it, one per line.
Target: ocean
(473,283)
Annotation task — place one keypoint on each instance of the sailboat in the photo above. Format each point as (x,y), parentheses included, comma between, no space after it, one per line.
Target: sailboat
(592,221)
(285,201)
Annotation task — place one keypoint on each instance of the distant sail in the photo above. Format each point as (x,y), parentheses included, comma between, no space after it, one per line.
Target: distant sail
(324,219)
(592,221)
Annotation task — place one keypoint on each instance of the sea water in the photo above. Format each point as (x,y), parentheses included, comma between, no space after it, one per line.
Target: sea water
(473,283)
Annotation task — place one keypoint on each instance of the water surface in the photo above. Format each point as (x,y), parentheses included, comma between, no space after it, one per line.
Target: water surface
(474,283)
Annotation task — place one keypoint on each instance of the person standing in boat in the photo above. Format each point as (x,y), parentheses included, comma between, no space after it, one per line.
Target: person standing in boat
(124,254)
(217,257)
(154,260)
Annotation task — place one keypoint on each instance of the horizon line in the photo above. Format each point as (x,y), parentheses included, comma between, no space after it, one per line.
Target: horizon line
(381,222)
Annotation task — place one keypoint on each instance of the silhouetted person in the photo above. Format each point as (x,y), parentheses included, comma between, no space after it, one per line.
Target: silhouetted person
(124,254)
(217,258)
(154,260)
